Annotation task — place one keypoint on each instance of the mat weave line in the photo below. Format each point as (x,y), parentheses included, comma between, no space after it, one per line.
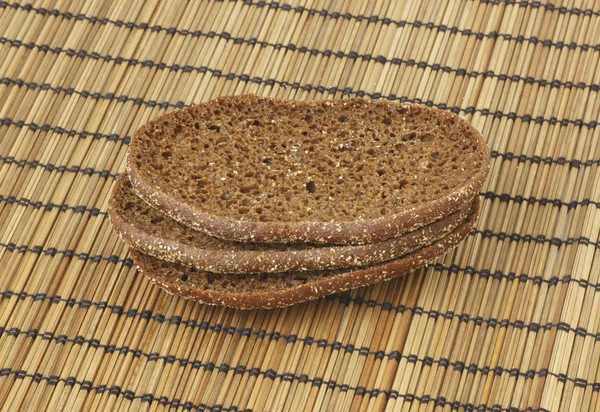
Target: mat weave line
(532,200)
(188,405)
(435,67)
(66,253)
(114,390)
(444,363)
(276,5)
(520,3)
(358,301)
(49,167)
(322,343)
(303,379)
(50,207)
(492,35)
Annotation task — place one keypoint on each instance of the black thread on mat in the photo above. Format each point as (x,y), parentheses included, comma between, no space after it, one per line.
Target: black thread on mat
(443,28)
(555,241)
(497,114)
(34,127)
(543,201)
(290,377)
(346,300)
(376,19)
(535,159)
(49,167)
(49,207)
(116,390)
(68,253)
(461,72)
(512,276)
(176,403)
(91,95)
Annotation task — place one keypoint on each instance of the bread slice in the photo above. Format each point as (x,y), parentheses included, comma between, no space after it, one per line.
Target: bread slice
(152,232)
(351,171)
(284,289)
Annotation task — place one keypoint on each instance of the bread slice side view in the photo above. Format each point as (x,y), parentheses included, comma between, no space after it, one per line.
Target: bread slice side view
(279,290)
(152,232)
(350,171)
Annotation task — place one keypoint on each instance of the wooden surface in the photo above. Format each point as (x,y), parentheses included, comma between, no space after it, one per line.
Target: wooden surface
(508,321)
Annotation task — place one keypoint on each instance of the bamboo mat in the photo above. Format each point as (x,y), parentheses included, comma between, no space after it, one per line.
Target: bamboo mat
(508,321)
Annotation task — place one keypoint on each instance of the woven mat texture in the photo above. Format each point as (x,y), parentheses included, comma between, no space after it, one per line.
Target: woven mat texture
(510,320)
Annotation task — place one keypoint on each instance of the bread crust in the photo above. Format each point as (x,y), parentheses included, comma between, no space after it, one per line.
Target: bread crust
(217,256)
(360,231)
(339,280)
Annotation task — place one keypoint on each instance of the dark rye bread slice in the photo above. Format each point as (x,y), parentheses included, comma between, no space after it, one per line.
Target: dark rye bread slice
(284,289)
(152,232)
(349,171)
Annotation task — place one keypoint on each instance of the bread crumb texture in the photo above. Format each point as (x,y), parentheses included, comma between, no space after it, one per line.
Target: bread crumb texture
(264,160)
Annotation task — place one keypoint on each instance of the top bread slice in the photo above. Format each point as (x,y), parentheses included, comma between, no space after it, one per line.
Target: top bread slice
(351,171)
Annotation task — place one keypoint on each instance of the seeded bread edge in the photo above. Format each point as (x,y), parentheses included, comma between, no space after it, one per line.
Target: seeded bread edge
(275,260)
(313,290)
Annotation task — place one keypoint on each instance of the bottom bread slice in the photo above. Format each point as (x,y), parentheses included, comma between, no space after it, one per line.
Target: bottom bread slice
(272,290)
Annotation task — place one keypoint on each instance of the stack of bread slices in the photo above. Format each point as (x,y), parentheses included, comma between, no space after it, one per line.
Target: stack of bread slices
(254,202)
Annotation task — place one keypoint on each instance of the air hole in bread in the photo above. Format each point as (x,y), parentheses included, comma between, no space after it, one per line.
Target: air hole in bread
(177,131)
(409,136)
(311,186)
(214,128)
